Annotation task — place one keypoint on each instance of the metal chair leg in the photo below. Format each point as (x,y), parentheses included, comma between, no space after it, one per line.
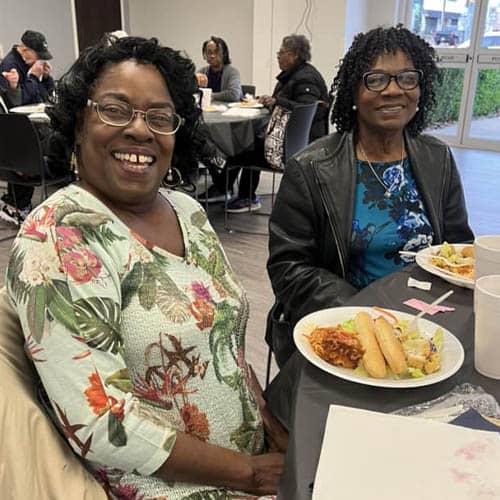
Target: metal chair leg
(268,367)
(206,189)
(226,202)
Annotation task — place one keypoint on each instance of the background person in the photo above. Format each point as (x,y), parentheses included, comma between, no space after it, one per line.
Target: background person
(31,60)
(351,201)
(221,76)
(143,355)
(298,83)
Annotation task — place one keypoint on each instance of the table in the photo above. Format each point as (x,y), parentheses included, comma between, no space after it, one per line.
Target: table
(35,112)
(235,134)
(301,393)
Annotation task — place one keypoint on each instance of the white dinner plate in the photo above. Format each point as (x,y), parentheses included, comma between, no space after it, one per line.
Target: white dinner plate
(246,105)
(28,109)
(452,353)
(424,261)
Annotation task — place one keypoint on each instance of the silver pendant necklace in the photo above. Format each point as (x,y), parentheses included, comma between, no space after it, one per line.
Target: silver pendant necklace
(387,189)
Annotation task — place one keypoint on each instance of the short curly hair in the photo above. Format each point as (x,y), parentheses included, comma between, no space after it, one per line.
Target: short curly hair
(362,54)
(298,44)
(75,87)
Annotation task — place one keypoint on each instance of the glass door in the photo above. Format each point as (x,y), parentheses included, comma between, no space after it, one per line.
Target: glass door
(465,35)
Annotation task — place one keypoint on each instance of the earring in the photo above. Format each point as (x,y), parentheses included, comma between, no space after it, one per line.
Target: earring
(170,180)
(417,108)
(73,163)
(354,107)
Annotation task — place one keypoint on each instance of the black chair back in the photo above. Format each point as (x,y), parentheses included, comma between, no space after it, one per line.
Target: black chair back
(248,89)
(20,149)
(298,128)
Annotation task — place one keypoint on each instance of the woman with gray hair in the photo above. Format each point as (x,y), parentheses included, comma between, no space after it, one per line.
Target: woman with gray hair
(299,82)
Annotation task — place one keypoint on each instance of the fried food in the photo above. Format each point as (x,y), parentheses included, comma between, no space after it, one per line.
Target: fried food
(390,346)
(336,346)
(451,256)
(373,359)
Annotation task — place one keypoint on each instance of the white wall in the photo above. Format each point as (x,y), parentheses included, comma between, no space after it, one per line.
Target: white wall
(275,19)
(253,28)
(331,27)
(185,25)
(50,17)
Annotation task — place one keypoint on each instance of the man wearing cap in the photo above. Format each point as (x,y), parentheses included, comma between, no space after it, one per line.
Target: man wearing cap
(30,60)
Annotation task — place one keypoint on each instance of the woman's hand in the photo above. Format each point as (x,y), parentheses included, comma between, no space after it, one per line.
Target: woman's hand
(202,79)
(267,101)
(275,434)
(267,471)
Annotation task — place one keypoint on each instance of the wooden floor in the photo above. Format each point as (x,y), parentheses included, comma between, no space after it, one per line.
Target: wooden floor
(248,253)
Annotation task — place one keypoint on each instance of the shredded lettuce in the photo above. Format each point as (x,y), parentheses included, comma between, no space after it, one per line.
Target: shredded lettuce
(437,340)
(348,326)
(416,372)
(360,370)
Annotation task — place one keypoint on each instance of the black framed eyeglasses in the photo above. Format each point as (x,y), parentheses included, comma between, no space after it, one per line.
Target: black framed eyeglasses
(162,121)
(378,81)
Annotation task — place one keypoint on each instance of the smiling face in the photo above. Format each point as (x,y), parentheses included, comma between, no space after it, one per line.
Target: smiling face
(393,108)
(124,166)
(213,56)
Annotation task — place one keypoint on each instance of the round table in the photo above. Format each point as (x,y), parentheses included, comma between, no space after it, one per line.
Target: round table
(301,393)
(35,112)
(235,134)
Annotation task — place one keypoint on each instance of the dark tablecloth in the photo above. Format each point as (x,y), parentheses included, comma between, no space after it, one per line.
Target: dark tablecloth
(235,134)
(300,394)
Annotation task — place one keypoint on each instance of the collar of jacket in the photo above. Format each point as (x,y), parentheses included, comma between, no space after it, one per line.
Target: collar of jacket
(333,163)
(284,76)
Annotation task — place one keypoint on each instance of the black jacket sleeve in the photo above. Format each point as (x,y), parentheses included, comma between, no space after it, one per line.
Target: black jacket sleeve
(301,282)
(35,91)
(456,227)
(303,91)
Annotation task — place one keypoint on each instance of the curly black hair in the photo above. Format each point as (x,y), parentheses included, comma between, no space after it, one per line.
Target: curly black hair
(362,54)
(298,44)
(75,87)
(221,44)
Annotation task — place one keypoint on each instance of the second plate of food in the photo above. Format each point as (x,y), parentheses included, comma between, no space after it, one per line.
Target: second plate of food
(451,352)
(460,276)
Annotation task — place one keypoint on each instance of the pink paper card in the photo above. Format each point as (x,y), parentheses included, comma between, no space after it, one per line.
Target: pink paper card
(420,305)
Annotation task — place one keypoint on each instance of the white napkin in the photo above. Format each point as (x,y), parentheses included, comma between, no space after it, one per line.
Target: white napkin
(374,455)
(245,112)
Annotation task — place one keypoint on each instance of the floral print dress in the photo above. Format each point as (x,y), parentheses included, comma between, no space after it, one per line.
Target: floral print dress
(386,219)
(133,343)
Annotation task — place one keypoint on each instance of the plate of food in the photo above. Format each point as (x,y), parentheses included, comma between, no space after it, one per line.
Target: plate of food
(246,104)
(374,346)
(454,263)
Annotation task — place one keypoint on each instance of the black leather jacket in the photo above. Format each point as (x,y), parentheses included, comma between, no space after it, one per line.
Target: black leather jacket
(304,84)
(310,226)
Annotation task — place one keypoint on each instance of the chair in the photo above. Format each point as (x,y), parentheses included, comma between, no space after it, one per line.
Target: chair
(248,89)
(296,138)
(36,462)
(21,158)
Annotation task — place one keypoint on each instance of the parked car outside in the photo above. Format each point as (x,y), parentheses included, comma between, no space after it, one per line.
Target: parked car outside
(448,37)
(491,40)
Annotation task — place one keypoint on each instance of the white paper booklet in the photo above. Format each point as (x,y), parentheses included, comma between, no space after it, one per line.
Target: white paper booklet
(368,455)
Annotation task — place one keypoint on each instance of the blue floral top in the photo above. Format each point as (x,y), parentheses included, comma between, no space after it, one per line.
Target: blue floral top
(385,221)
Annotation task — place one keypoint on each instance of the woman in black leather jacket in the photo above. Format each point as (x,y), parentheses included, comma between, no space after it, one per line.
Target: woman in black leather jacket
(351,201)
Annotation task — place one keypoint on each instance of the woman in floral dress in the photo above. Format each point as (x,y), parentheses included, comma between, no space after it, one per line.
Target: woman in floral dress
(131,312)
